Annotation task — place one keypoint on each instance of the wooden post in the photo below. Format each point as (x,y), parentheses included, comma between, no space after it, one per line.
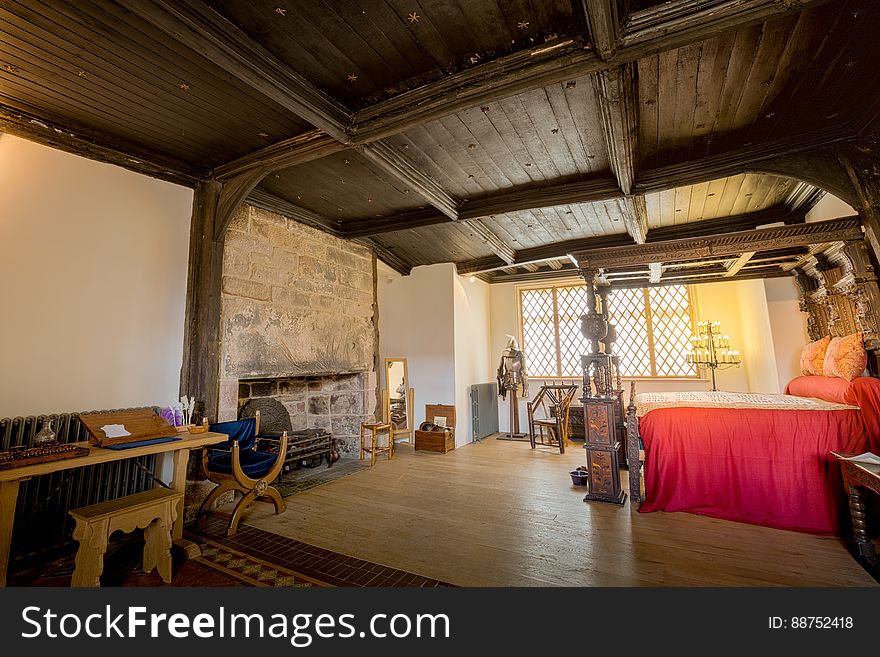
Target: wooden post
(8,498)
(632,447)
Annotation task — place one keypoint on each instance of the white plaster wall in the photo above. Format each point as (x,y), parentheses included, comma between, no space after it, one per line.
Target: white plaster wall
(416,322)
(788,326)
(93,266)
(472,351)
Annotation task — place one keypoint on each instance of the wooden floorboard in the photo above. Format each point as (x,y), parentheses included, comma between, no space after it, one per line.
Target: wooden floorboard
(498,513)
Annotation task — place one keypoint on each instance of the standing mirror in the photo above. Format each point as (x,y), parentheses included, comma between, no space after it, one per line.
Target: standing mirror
(398,398)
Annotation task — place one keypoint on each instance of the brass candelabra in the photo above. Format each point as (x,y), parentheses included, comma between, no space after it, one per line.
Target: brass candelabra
(710,348)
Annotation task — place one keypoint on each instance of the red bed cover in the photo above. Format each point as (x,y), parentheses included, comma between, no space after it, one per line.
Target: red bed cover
(766,467)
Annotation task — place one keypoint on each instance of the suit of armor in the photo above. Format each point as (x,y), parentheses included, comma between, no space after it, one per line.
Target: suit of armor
(512,370)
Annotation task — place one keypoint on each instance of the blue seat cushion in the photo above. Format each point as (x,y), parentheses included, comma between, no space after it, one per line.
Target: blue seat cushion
(253,463)
(244,431)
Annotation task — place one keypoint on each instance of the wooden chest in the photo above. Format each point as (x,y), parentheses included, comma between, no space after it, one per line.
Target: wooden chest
(437,441)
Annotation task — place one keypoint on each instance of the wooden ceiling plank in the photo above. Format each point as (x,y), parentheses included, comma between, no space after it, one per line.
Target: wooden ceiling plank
(95,146)
(392,161)
(202,29)
(712,68)
(153,52)
(386,255)
(722,245)
(568,132)
(748,221)
(490,159)
(685,105)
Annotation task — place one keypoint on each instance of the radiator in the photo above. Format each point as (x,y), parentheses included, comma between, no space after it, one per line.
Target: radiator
(42,525)
(484,409)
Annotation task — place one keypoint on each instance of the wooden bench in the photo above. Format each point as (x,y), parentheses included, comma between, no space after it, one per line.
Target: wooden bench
(154,511)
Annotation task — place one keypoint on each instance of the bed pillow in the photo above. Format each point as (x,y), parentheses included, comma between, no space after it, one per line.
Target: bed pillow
(828,388)
(813,357)
(845,357)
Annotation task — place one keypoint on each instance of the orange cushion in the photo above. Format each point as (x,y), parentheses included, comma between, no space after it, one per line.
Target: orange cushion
(813,356)
(846,357)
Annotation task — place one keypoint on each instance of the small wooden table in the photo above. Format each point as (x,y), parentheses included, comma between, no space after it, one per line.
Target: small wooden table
(856,478)
(375,428)
(11,478)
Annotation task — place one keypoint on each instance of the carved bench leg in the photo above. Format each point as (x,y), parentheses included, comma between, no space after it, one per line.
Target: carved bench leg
(860,526)
(92,539)
(157,547)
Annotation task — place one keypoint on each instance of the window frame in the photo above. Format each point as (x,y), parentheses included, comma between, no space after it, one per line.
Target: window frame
(567,282)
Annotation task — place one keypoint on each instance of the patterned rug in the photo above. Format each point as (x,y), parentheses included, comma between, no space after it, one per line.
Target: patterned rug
(250,570)
(260,558)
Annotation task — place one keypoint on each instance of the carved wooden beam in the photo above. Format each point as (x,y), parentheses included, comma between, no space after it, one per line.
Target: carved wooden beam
(393,162)
(95,146)
(202,29)
(722,245)
(603,24)
(698,279)
(263,199)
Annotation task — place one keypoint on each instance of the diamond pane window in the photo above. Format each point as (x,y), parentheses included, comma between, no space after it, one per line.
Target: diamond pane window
(653,327)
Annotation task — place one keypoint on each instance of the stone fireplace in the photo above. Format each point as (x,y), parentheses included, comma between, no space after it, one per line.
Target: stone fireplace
(335,402)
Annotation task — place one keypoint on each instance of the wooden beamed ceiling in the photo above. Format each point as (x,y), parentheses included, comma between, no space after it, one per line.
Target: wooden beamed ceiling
(491,134)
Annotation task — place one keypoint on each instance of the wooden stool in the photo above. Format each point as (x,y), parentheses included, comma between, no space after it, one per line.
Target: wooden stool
(375,428)
(154,510)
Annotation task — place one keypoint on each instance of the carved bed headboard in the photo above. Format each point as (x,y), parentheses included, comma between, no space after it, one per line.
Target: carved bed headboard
(839,292)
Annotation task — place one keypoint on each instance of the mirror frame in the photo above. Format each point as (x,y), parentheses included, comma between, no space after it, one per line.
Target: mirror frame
(386,401)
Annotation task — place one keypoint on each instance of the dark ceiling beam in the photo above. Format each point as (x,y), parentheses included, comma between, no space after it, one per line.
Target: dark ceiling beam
(267,201)
(390,160)
(617,94)
(645,33)
(746,275)
(311,145)
(501,248)
(552,62)
(708,227)
(540,254)
(729,244)
(536,276)
(804,197)
(526,198)
(203,30)
(100,147)
(753,157)
(672,24)
(603,24)
(389,257)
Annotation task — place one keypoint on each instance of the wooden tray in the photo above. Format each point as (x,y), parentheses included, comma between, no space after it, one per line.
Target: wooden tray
(142,424)
(17,458)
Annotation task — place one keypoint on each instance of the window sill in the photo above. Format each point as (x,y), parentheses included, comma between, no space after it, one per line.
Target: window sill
(693,379)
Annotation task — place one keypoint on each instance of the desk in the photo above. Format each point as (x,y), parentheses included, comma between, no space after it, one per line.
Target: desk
(856,477)
(10,479)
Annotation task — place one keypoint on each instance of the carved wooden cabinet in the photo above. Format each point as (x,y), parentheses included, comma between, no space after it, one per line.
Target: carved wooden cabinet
(602,445)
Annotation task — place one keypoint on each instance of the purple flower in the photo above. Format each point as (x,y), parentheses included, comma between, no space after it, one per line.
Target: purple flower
(168,414)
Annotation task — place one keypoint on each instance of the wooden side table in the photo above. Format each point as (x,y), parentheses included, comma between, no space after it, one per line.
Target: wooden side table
(858,477)
(375,428)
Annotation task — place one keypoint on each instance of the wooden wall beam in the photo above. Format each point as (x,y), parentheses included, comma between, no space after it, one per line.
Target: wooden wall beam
(764,239)
(96,146)
(202,29)
(200,371)
(738,264)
